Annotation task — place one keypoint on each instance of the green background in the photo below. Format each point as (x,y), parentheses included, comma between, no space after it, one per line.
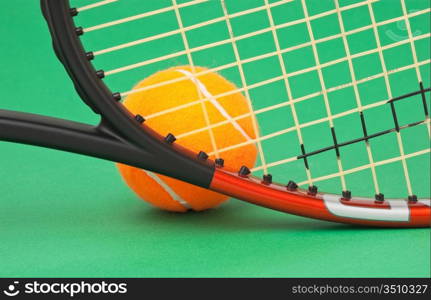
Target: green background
(67,215)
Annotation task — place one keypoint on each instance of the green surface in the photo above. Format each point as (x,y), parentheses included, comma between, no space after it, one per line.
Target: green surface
(68,215)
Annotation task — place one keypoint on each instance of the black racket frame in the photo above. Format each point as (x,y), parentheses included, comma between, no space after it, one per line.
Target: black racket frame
(120,136)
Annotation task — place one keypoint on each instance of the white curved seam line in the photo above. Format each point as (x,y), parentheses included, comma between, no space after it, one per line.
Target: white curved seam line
(168,189)
(214,102)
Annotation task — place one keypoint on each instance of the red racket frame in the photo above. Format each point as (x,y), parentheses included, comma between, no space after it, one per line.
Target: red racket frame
(387,213)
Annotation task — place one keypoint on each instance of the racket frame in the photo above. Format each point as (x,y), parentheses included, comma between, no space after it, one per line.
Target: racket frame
(122,137)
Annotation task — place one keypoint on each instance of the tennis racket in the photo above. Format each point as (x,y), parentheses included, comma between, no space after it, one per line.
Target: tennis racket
(339,95)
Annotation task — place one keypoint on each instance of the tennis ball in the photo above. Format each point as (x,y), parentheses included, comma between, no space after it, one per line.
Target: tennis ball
(177,107)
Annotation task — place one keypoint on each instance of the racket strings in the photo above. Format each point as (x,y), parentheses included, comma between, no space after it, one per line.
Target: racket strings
(291,74)
(303,125)
(325,96)
(288,92)
(389,90)
(360,110)
(249,35)
(140,16)
(171,8)
(357,94)
(246,91)
(192,65)
(397,128)
(211,22)
(372,165)
(369,166)
(267,55)
(95,5)
(416,62)
(273,107)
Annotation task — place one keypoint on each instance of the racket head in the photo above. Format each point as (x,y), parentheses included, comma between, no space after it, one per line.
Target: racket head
(341,205)
(95,93)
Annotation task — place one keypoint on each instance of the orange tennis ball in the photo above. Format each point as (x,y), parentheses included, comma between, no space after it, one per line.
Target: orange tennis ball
(206,113)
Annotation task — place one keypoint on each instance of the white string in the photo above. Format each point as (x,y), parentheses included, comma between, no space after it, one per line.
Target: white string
(285,76)
(255,58)
(389,91)
(278,133)
(186,29)
(191,63)
(258,84)
(166,9)
(357,96)
(247,35)
(287,85)
(364,167)
(251,34)
(413,46)
(244,84)
(293,158)
(285,104)
(323,87)
(94,5)
(141,16)
(215,103)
